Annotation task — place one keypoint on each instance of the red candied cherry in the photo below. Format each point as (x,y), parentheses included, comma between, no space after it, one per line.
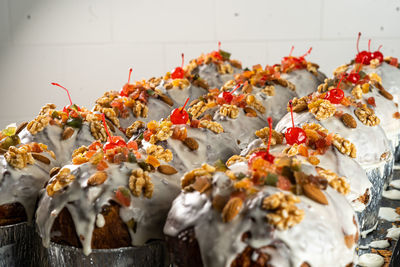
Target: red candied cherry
(71,106)
(362,57)
(179,115)
(217,54)
(179,73)
(228,96)
(125,88)
(336,95)
(294,135)
(354,77)
(265,155)
(112,141)
(377,55)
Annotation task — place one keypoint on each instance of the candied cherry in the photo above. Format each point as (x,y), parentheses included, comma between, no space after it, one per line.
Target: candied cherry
(112,141)
(126,87)
(179,73)
(363,57)
(71,107)
(265,155)
(179,115)
(228,96)
(336,95)
(294,135)
(217,54)
(377,55)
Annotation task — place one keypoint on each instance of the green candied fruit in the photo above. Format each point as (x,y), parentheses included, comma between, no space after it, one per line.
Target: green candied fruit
(74,107)
(132,225)
(225,55)
(132,158)
(271,179)
(144,166)
(220,165)
(55,114)
(10,130)
(75,122)
(10,141)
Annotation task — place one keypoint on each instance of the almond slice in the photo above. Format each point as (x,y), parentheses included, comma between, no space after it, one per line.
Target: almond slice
(41,158)
(21,127)
(97,178)
(166,100)
(315,194)
(250,112)
(54,171)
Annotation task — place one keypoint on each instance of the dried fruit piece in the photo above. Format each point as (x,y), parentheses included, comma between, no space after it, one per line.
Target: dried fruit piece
(68,132)
(232,209)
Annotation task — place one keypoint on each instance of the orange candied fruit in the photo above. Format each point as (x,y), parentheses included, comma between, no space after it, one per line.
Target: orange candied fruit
(179,133)
(153,161)
(152,126)
(102,165)
(132,145)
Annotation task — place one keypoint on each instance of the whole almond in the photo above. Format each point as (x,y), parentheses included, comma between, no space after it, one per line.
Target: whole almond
(231,209)
(166,100)
(40,158)
(314,193)
(68,132)
(97,178)
(54,171)
(250,112)
(191,143)
(349,241)
(167,169)
(21,127)
(386,94)
(348,120)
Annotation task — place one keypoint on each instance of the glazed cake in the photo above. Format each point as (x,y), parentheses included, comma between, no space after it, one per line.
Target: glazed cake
(109,198)
(248,215)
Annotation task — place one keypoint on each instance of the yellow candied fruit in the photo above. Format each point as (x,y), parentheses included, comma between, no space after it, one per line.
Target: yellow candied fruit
(245,183)
(153,161)
(375,77)
(97,157)
(365,88)
(152,125)
(79,159)
(176,82)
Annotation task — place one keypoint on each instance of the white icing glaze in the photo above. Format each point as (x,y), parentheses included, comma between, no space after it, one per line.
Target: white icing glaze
(85,203)
(370,260)
(391,194)
(210,73)
(379,244)
(395,184)
(388,214)
(306,82)
(179,96)
(393,233)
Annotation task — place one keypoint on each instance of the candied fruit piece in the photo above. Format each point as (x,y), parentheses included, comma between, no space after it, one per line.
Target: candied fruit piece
(153,161)
(123,196)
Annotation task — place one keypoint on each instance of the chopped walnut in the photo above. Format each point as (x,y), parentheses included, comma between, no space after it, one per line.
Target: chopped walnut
(154,82)
(133,129)
(139,109)
(228,85)
(255,103)
(198,109)
(291,150)
(276,138)
(338,183)
(339,70)
(312,67)
(344,146)
(374,63)
(284,213)
(46,108)
(98,131)
(38,124)
(159,153)
(178,83)
(107,98)
(298,104)
(375,77)
(367,116)
(231,111)
(357,92)
(212,125)
(190,177)
(78,156)
(285,83)
(19,157)
(322,109)
(109,113)
(190,67)
(164,131)
(315,127)
(140,183)
(269,90)
(225,68)
(235,158)
(236,63)
(60,181)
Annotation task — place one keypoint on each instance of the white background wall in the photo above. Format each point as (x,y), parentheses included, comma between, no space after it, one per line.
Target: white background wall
(89,45)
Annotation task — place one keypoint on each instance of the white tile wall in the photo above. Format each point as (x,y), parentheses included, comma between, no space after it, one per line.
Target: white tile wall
(89,45)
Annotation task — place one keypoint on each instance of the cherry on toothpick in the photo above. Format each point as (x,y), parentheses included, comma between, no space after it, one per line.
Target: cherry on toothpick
(294,135)
(307,53)
(112,141)
(179,73)
(69,97)
(228,96)
(125,88)
(336,95)
(179,115)
(354,77)
(377,54)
